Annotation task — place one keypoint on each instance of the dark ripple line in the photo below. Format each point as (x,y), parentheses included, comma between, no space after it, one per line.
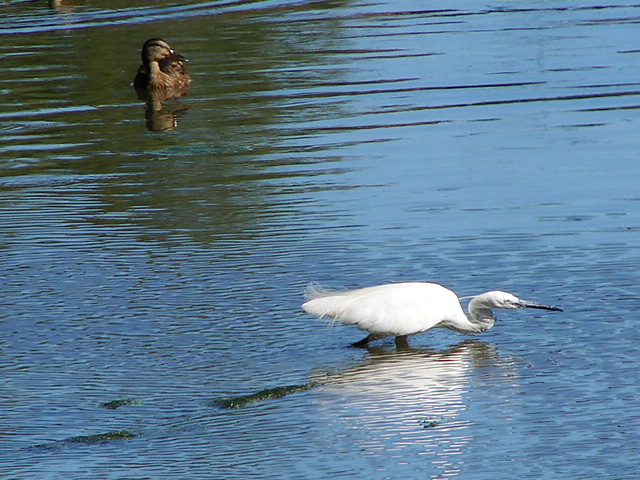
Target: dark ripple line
(459,105)
(399,90)
(47,111)
(372,126)
(136,15)
(139,15)
(452,13)
(611,108)
(585,96)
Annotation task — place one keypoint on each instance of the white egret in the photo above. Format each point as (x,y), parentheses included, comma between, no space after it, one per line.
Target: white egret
(403,309)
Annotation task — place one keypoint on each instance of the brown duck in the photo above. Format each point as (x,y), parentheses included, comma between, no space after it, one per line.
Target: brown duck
(162,67)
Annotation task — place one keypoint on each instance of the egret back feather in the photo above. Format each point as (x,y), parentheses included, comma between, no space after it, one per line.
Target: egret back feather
(392,309)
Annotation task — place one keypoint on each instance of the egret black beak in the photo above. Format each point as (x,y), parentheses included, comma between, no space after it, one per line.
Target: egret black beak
(539,306)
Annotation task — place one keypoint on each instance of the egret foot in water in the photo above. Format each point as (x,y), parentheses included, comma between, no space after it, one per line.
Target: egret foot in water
(401,342)
(365,341)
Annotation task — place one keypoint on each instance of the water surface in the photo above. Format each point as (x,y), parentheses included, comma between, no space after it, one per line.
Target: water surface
(481,146)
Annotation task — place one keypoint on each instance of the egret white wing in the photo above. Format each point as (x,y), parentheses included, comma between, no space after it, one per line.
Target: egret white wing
(392,309)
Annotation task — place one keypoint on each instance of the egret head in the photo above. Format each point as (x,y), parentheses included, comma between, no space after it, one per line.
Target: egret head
(506,300)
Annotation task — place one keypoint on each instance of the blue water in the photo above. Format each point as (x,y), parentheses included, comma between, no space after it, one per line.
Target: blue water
(480,146)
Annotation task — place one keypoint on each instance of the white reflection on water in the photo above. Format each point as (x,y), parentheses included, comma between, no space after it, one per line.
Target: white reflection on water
(404,407)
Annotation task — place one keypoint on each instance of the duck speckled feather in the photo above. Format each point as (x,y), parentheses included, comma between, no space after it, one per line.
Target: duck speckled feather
(162,67)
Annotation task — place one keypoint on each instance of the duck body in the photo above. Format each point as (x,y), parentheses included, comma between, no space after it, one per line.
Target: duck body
(162,68)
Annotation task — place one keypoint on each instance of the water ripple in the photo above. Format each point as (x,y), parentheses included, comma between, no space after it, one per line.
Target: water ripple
(346,143)
(81,18)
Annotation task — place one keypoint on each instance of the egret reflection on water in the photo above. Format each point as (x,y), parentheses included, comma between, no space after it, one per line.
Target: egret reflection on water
(402,309)
(405,407)
(391,406)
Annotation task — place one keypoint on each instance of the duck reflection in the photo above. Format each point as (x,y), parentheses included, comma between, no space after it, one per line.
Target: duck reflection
(62,5)
(159,117)
(160,78)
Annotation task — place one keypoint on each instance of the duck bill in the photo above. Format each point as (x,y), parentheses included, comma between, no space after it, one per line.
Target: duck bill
(177,56)
(539,306)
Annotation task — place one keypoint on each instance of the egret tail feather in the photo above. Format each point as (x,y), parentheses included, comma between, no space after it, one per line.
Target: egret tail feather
(315,290)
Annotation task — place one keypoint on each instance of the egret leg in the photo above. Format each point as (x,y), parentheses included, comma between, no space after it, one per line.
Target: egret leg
(365,341)
(401,341)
